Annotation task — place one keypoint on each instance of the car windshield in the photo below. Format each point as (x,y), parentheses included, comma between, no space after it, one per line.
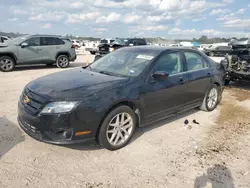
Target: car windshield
(104,41)
(128,63)
(119,41)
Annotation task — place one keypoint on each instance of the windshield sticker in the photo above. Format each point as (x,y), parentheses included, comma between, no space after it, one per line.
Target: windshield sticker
(147,57)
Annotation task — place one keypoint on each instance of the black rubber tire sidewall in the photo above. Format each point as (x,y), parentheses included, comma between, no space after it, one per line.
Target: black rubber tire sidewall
(217,102)
(226,82)
(57,61)
(12,60)
(102,132)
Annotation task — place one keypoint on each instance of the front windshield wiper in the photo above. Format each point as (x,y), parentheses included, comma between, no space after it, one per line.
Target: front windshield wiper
(111,74)
(107,73)
(86,66)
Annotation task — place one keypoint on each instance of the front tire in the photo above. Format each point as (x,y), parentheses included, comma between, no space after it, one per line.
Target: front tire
(7,64)
(62,61)
(117,128)
(211,99)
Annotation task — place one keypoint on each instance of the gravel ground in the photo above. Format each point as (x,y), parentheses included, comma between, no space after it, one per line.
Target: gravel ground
(215,153)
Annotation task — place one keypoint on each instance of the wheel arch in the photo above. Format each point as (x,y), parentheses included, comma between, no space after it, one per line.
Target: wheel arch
(128,103)
(62,53)
(10,54)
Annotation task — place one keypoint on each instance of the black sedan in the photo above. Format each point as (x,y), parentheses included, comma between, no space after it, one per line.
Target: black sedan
(128,88)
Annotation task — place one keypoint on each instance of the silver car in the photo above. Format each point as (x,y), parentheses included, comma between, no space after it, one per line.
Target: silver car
(36,49)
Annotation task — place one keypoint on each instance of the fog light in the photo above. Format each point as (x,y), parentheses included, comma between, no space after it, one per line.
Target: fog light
(67,134)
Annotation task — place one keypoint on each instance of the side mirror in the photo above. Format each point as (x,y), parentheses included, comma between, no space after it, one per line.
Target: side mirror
(23,45)
(160,75)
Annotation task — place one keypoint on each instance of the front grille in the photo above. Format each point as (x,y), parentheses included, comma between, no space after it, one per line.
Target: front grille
(36,103)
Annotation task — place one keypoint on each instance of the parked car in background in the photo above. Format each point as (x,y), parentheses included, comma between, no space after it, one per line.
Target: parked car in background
(237,62)
(4,39)
(92,47)
(108,99)
(77,43)
(217,50)
(104,49)
(36,49)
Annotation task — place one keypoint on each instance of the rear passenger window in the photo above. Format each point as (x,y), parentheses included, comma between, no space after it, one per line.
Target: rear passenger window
(45,41)
(195,61)
(59,41)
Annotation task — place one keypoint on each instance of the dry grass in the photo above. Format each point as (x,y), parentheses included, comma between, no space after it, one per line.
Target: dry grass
(232,123)
(239,94)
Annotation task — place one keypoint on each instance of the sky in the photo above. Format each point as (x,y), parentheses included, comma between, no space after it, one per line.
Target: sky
(127,18)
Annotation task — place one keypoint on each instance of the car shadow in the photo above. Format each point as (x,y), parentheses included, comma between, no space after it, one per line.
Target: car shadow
(89,145)
(42,66)
(10,135)
(140,131)
(219,176)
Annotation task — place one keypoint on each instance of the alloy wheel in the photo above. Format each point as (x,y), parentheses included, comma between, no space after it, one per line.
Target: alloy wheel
(6,64)
(212,98)
(63,62)
(119,129)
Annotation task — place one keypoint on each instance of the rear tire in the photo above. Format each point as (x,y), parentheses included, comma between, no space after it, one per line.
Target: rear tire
(117,128)
(211,99)
(62,61)
(7,64)
(227,82)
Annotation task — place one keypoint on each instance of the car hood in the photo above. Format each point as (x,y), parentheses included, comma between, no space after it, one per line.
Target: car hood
(74,83)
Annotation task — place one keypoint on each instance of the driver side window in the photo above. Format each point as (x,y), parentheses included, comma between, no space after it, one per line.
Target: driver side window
(33,41)
(170,63)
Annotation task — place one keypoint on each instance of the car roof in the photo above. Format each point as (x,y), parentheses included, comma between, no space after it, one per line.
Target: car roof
(45,36)
(158,48)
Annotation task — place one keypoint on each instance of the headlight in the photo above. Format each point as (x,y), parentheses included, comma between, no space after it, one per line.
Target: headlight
(111,49)
(59,107)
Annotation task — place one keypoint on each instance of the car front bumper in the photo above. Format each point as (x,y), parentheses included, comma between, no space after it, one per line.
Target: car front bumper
(54,129)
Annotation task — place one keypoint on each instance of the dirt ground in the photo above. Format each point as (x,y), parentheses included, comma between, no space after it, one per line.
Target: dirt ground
(214,153)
